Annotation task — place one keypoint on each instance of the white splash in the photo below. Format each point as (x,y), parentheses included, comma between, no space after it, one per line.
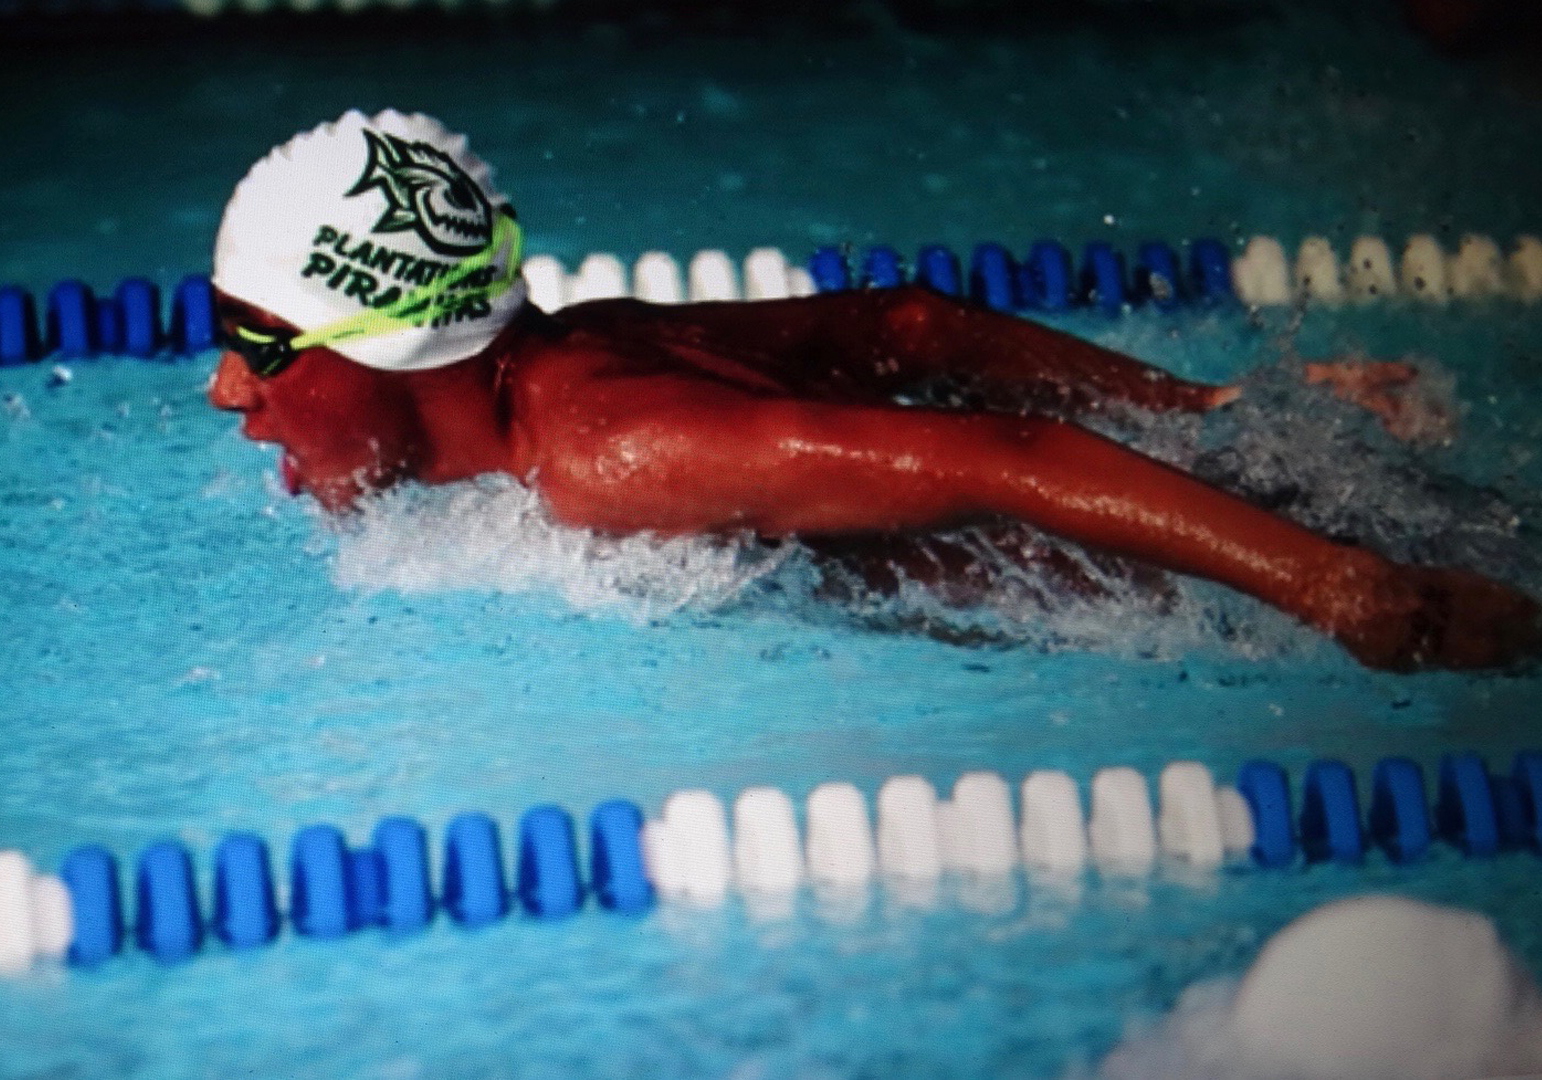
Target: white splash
(494,534)
(1361,989)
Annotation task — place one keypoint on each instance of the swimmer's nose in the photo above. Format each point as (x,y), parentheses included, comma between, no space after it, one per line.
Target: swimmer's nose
(234,386)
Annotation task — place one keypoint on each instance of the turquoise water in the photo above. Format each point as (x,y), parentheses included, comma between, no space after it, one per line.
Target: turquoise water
(190,651)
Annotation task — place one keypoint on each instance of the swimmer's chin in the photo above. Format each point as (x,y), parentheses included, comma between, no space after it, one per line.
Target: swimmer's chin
(339,495)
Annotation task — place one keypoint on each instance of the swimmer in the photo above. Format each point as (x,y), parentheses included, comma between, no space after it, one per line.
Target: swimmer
(377,328)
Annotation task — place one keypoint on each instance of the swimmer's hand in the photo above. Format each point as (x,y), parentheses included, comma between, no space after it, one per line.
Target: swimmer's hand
(1392,392)
(1409,618)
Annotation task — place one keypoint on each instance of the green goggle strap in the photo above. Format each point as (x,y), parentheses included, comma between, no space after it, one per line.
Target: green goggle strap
(416,307)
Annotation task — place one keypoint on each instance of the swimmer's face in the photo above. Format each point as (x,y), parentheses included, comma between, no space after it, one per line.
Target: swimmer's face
(344,428)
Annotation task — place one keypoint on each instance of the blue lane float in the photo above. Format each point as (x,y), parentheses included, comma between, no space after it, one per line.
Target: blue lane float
(167,925)
(322,897)
(245,914)
(1267,792)
(19,341)
(1330,814)
(138,303)
(938,268)
(90,873)
(882,268)
(1102,280)
(1400,817)
(193,318)
(1464,809)
(548,863)
(827,266)
(1209,273)
(72,320)
(615,844)
(1046,278)
(1156,279)
(993,278)
(474,889)
(407,904)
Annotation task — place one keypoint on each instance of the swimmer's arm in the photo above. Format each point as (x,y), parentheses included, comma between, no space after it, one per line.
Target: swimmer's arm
(678,456)
(888,341)
(684,455)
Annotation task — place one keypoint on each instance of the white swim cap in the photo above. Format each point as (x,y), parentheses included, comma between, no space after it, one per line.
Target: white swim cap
(381,237)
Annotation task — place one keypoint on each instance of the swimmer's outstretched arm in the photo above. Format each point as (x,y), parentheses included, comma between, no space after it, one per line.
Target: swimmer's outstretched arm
(680,455)
(886,341)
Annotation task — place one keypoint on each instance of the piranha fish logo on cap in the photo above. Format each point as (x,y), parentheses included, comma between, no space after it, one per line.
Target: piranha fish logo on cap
(426,192)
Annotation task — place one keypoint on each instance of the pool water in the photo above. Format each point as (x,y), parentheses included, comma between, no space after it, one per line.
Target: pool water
(190,651)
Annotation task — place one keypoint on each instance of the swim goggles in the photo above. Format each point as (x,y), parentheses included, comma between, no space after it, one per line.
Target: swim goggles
(268,351)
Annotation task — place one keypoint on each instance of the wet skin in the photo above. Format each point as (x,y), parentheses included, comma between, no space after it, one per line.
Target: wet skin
(779,417)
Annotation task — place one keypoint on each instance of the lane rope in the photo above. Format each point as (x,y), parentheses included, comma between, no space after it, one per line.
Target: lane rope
(697,852)
(76,324)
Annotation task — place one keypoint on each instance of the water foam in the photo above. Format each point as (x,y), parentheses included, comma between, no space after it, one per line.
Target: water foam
(1329,466)
(495,534)
(1360,989)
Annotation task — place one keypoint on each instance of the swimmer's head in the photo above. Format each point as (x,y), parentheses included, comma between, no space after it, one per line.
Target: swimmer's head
(379,237)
